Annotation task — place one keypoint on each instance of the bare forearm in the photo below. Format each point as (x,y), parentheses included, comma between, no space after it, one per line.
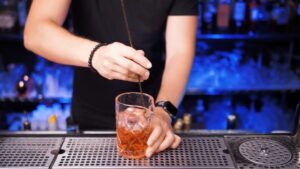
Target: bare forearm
(53,42)
(180,42)
(45,36)
(175,77)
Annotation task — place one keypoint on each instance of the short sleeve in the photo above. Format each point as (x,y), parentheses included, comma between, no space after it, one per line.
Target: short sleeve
(184,7)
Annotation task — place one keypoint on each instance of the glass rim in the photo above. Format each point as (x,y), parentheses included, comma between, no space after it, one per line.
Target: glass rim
(138,93)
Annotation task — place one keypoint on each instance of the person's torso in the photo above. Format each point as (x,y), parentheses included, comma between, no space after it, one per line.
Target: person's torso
(102,21)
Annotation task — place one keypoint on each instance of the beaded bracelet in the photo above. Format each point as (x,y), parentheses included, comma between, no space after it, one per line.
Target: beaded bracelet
(90,64)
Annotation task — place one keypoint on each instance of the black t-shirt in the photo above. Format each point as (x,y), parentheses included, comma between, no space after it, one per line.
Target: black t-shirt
(102,21)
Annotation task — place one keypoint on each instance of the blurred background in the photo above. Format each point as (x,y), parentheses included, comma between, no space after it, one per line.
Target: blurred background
(245,77)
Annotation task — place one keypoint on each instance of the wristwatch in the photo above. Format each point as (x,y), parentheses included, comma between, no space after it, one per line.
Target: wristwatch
(168,107)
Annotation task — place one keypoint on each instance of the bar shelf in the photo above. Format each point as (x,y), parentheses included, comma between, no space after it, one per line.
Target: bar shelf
(245,37)
(35,100)
(218,91)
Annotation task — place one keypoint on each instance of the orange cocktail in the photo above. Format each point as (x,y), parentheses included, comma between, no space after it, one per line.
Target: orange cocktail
(133,117)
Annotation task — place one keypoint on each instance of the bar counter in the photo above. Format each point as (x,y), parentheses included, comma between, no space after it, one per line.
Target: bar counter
(199,149)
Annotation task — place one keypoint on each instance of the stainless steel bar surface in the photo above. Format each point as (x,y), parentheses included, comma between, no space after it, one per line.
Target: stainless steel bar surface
(27,152)
(263,152)
(90,151)
(194,152)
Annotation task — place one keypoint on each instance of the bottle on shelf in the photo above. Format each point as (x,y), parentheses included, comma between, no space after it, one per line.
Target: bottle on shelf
(209,16)
(231,122)
(9,16)
(187,121)
(21,89)
(22,8)
(223,15)
(71,125)
(26,122)
(239,16)
(200,14)
(200,112)
(253,15)
(52,122)
(274,14)
(264,17)
(281,16)
(178,125)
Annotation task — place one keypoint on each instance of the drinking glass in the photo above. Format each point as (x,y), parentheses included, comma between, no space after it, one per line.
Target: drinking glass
(133,123)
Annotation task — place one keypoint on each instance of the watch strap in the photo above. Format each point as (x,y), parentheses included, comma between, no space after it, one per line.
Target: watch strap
(168,107)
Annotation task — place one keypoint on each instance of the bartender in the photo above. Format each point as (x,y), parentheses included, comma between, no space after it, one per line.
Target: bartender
(163,37)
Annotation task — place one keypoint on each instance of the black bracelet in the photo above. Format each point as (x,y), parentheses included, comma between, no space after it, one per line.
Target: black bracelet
(90,64)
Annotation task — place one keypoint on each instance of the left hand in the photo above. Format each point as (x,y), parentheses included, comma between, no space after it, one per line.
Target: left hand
(162,136)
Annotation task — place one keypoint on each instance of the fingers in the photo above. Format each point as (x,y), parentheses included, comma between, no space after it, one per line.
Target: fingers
(154,135)
(167,142)
(119,76)
(151,150)
(120,71)
(133,67)
(121,62)
(111,71)
(163,142)
(176,142)
(161,137)
(136,56)
(139,58)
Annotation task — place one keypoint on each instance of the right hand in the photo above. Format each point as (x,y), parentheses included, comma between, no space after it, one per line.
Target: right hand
(120,62)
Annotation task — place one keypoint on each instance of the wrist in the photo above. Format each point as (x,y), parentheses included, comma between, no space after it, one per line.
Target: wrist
(168,107)
(162,113)
(92,56)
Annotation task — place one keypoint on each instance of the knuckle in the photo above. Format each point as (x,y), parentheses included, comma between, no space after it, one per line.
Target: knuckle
(101,72)
(131,80)
(140,71)
(137,70)
(165,146)
(141,52)
(174,145)
(109,47)
(124,78)
(152,149)
(156,146)
(128,66)
(107,76)
(179,139)
(116,44)
(132,75)
(144,72)
(126,72)
(160,148)
(118,75)
(171,137)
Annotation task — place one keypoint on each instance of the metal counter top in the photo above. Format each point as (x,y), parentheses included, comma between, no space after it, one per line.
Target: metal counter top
(92,150)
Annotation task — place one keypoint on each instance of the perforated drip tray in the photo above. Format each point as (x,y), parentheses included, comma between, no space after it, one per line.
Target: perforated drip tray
(27,152)
(210,152)
(205,152)
(263,152)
